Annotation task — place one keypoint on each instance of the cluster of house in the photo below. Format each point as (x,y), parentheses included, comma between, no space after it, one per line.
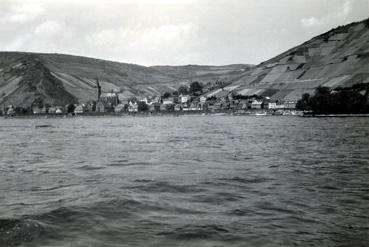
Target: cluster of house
(110,102)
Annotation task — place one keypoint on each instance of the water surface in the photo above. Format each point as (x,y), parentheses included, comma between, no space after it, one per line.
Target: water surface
(184,181)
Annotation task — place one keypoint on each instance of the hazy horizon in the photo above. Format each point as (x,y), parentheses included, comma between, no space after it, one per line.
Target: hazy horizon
(177,32)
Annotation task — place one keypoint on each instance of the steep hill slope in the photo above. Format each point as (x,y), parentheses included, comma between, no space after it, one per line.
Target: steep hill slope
(339,57)
(24,80)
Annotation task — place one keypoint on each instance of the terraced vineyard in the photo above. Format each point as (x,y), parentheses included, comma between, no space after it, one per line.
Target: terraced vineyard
(338,58)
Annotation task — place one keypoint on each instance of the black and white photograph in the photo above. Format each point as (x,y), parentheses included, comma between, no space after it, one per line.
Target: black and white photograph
(184,123)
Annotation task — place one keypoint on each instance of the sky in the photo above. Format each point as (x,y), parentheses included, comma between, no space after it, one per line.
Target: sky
(171,32)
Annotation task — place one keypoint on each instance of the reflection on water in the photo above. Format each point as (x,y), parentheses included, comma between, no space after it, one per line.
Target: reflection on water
(184,181)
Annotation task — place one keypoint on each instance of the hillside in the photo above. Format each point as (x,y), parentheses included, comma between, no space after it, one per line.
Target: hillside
(74,77)
(24,80)
(338,58)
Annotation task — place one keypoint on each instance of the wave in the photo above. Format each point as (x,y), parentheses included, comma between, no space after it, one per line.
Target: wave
(90,168)
(14,232)
(44,126)
(195,232)
(120,215)
(252,180)
(161,186)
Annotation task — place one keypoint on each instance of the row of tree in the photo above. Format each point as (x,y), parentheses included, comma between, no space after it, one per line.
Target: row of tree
(347,100)
(195,88)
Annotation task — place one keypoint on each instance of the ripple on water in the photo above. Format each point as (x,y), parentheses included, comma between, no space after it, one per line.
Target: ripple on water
(185,181)
(167,187)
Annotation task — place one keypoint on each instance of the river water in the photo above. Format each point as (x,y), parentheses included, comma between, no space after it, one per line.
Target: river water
(184,181)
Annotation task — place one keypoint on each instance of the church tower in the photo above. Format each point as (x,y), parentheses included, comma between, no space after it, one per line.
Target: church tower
(98,89)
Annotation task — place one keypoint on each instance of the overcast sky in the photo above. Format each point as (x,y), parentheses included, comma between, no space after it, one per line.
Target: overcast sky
(174,32)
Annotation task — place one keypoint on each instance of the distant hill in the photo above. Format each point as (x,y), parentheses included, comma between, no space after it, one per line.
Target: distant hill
(336,58)
(59,79)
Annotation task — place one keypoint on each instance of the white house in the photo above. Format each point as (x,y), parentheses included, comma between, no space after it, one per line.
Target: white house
(272,105)
(280,107)
(133,107)
(119,108)
(203,99)
(256,104)
(184,98)
(79,109)
(168,101)
(58,110)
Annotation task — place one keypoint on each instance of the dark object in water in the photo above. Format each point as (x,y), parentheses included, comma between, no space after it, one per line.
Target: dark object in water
(44,126)
(13,232)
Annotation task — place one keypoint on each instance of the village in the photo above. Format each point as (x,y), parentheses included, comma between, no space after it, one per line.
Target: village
(194,98)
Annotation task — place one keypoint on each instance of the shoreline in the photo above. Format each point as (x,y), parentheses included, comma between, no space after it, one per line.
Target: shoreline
(334,115)
(149,114)
(189,113)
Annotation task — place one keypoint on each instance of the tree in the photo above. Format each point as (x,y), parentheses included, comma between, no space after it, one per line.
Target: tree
(47,106)
(240,96)
(366,23)
(195,87)
(169,107)
(167,95)
(142,106)
(125,108)
(70,108)
(341,100)
(320,102)
(93,106)
(20,110)
(38,102)
(183,89)
(300,105)
(304,103)
(132,99)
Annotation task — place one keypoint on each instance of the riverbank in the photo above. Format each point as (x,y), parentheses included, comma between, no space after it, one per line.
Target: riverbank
(143,114)
(149,114)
